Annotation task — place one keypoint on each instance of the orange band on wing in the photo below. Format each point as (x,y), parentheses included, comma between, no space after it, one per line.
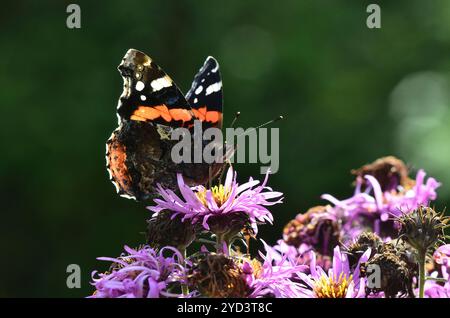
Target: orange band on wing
(145,113)
(200,113)
(211,116)
(180,114)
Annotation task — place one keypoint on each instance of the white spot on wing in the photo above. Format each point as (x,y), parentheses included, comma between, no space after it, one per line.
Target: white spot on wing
(213,88)
(143,98)
(116,185)
(199,90)
(196,100)
(111,176)
(126,196)
(160,83)
(140,86)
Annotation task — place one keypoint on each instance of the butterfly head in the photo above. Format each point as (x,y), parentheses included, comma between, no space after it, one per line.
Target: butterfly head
(134,63)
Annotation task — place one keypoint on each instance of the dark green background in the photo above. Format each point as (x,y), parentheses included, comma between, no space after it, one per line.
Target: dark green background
(349,95)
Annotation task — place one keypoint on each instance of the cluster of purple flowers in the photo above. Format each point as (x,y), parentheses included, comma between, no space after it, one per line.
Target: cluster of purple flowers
(140,273)
(326,252)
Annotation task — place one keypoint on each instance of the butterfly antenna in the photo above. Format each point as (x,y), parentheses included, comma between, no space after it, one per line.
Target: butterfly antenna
(209,177)
(236,116)
(225,166)
(260,126)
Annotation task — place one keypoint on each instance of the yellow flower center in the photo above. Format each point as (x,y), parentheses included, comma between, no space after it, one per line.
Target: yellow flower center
(257,268)
(332,287)
(219,193)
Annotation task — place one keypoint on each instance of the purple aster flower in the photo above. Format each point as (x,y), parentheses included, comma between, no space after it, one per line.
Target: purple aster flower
(300,255)
(442,256)
(434,290)
(338,281)
(221,207)
(275,277)
(141,273)
(373,208)
(293,253)
(439,286)
(436,287)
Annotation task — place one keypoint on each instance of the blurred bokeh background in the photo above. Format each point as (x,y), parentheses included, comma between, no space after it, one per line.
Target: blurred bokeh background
(349,95)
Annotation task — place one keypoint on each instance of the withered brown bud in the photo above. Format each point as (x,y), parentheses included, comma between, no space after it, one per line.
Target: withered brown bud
(396,261)
(317,227)
(422,228)
(389,171)
(395,276)
(361,244)
(227,226)
(162,230)
(217,276)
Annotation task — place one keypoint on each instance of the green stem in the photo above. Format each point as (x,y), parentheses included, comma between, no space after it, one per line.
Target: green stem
(422,255)
(184,287)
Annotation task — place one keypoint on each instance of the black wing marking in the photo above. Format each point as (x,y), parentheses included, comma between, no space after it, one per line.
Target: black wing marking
(147,86)
(205,95)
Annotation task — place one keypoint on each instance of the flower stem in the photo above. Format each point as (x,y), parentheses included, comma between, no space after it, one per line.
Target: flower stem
(422,255)
(184,287)
(219,243)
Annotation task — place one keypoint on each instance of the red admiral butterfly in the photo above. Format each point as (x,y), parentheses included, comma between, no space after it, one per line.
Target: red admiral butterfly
(150,107)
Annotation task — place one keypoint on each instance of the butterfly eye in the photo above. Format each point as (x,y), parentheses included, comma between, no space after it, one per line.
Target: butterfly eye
(126,70)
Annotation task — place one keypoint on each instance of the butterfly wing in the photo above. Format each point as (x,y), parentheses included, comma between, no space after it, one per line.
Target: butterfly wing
(149,94)
(205,95)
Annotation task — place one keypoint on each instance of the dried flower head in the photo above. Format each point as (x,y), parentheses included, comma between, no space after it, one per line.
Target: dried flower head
(396,261)
(361,244)
(395,277)
(423,228)
(390,172)
(167,230)
(227,226)
(217,276)
(318,227)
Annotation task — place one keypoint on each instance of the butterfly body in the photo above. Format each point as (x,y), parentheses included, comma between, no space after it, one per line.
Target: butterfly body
(138,153)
